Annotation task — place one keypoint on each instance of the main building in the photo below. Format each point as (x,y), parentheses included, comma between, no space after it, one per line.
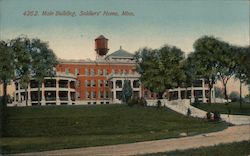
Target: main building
(98,81)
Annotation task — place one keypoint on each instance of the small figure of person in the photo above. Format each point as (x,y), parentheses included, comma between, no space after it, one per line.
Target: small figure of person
(188,112)
(229,111)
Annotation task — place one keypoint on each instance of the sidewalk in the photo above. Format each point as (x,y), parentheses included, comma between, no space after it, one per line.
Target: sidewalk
(231,134)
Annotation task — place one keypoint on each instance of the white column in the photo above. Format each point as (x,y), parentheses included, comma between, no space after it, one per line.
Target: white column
(29,95)
(19,93)
(203,92)
(57,92)
(192,93)
(69,98)
(140,89)
(114,89)
(179,93)
(43,97)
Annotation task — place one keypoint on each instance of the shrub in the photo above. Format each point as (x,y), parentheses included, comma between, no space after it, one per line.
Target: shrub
(158,103)
(217,116)
(131,102)
(142,102)
(137,101)
(209,116)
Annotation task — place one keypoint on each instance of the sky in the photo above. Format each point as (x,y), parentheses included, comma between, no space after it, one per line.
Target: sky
(154,24)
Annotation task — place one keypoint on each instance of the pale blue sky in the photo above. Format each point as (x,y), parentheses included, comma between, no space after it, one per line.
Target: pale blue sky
(155,23)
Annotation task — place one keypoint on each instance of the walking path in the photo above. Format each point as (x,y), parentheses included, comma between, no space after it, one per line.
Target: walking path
(181,106)
(231,134)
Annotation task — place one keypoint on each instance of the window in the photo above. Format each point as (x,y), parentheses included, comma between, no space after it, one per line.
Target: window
(105,72)
(76,71)
(93,95)
(100,83)
(87,95)
(87,82)
(92,83)
(99,72)
(106,83)
(118,84)
(86,71)
(136,84)
(67,71)
(92,71)
(106,94)
(101,94)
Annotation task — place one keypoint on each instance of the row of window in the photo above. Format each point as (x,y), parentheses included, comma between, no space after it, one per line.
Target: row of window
(101,94)
(92,83)
(92,72)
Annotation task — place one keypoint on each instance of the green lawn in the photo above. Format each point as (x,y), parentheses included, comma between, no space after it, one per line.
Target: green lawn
(232,149)
(56,127)
(223,108)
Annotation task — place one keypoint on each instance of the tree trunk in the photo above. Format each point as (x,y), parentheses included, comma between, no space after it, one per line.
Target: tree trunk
(5,93)
(225,91)
(240,94)
(210,85)
(26,95)
(38,95)
(3,113)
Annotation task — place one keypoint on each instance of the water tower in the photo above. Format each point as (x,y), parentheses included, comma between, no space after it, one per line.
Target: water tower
(101,47)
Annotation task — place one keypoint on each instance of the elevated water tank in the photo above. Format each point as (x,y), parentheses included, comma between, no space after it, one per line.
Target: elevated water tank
(101,45)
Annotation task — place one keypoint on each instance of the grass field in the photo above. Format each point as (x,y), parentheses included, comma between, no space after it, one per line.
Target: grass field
(232,149)
(56,127)
(223,108)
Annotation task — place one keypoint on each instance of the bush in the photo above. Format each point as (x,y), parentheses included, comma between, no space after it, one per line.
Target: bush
(158,103)
(209,116)
(216,116)
(132,102)
(137,101)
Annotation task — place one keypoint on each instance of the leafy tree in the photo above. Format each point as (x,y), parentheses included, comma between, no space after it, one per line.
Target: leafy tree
(242,72)
(126,91)
(218,92)
(226,63)
(190,72)
(22,57)
(6,75)
(207,62)
(43,62)
(160,69)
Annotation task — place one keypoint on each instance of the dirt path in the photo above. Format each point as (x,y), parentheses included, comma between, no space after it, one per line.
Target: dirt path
(231,134)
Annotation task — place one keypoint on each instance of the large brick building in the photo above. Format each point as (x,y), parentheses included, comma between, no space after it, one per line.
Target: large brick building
(98,81)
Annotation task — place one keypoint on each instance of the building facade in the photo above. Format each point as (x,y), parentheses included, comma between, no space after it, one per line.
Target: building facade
(99,81)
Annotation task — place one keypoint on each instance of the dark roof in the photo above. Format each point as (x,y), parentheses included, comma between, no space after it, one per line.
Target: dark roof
(101,37)
(121,53)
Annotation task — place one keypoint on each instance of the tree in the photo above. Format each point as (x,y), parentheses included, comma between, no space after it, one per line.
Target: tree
(242,58)
(206,61)
(218,92)
(126,91)
(22,57)
(160,69)
(190,72)
(6,75)
(226,63)
(43,62)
